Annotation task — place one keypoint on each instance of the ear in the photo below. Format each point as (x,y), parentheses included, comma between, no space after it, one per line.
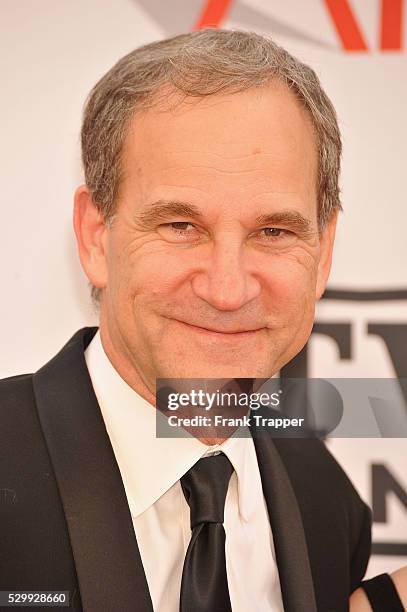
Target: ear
(326,241)
(91,236)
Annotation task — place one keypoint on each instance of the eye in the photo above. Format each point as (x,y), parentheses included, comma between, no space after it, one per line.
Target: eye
(179,231)
(179,226)
(274,232)
(273,236)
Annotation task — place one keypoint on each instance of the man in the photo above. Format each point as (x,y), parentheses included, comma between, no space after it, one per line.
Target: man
(206,227)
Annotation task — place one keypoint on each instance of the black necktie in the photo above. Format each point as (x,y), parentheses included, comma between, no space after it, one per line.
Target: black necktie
(204,586)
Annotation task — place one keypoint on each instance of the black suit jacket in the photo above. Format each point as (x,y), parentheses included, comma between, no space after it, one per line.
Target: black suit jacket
(65,522)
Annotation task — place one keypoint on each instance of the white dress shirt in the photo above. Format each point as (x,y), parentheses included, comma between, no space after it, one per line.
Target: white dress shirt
(151,469)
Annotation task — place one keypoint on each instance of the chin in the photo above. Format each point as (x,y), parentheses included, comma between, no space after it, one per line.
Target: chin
(222,370)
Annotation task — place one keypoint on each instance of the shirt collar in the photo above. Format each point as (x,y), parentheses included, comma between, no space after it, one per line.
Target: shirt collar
(149,465)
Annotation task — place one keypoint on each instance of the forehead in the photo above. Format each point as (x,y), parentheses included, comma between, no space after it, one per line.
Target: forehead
(261,139)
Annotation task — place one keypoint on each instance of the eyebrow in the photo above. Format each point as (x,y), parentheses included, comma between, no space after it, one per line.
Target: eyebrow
(290,219)
(161,210)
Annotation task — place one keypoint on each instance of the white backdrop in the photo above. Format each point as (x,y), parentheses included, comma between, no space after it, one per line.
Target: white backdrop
(53,52)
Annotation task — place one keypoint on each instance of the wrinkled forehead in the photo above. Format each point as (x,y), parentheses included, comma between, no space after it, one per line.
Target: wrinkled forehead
(261,140)
(257,115)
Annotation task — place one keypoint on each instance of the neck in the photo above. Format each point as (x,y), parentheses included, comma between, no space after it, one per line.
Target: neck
(122,361)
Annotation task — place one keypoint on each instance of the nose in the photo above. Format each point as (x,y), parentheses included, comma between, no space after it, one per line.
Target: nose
(224,280)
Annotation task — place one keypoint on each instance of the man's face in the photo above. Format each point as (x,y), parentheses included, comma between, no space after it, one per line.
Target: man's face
(214,260)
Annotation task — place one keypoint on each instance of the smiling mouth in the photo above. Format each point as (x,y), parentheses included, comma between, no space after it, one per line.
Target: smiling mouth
(217,333)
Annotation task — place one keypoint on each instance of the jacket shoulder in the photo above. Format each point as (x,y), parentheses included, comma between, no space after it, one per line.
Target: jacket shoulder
(15,393)
(33,532)
(317,475)
(331,508)
(14,381)
(18,418)
(310,460)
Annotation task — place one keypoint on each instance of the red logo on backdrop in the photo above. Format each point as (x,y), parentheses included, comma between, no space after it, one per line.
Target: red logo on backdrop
(213,14)
(349,31)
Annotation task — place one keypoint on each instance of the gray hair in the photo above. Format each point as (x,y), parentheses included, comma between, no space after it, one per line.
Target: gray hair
(199,64)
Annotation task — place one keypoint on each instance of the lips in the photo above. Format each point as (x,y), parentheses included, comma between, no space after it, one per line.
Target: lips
(220,332)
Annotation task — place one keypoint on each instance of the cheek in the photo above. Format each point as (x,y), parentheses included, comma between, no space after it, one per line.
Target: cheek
(144,278)
(291,280)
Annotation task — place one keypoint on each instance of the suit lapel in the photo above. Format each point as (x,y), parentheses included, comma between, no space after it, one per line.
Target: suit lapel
(288,531)
(109,568)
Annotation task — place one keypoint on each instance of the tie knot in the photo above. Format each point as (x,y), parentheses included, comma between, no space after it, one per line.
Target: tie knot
(205,486)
